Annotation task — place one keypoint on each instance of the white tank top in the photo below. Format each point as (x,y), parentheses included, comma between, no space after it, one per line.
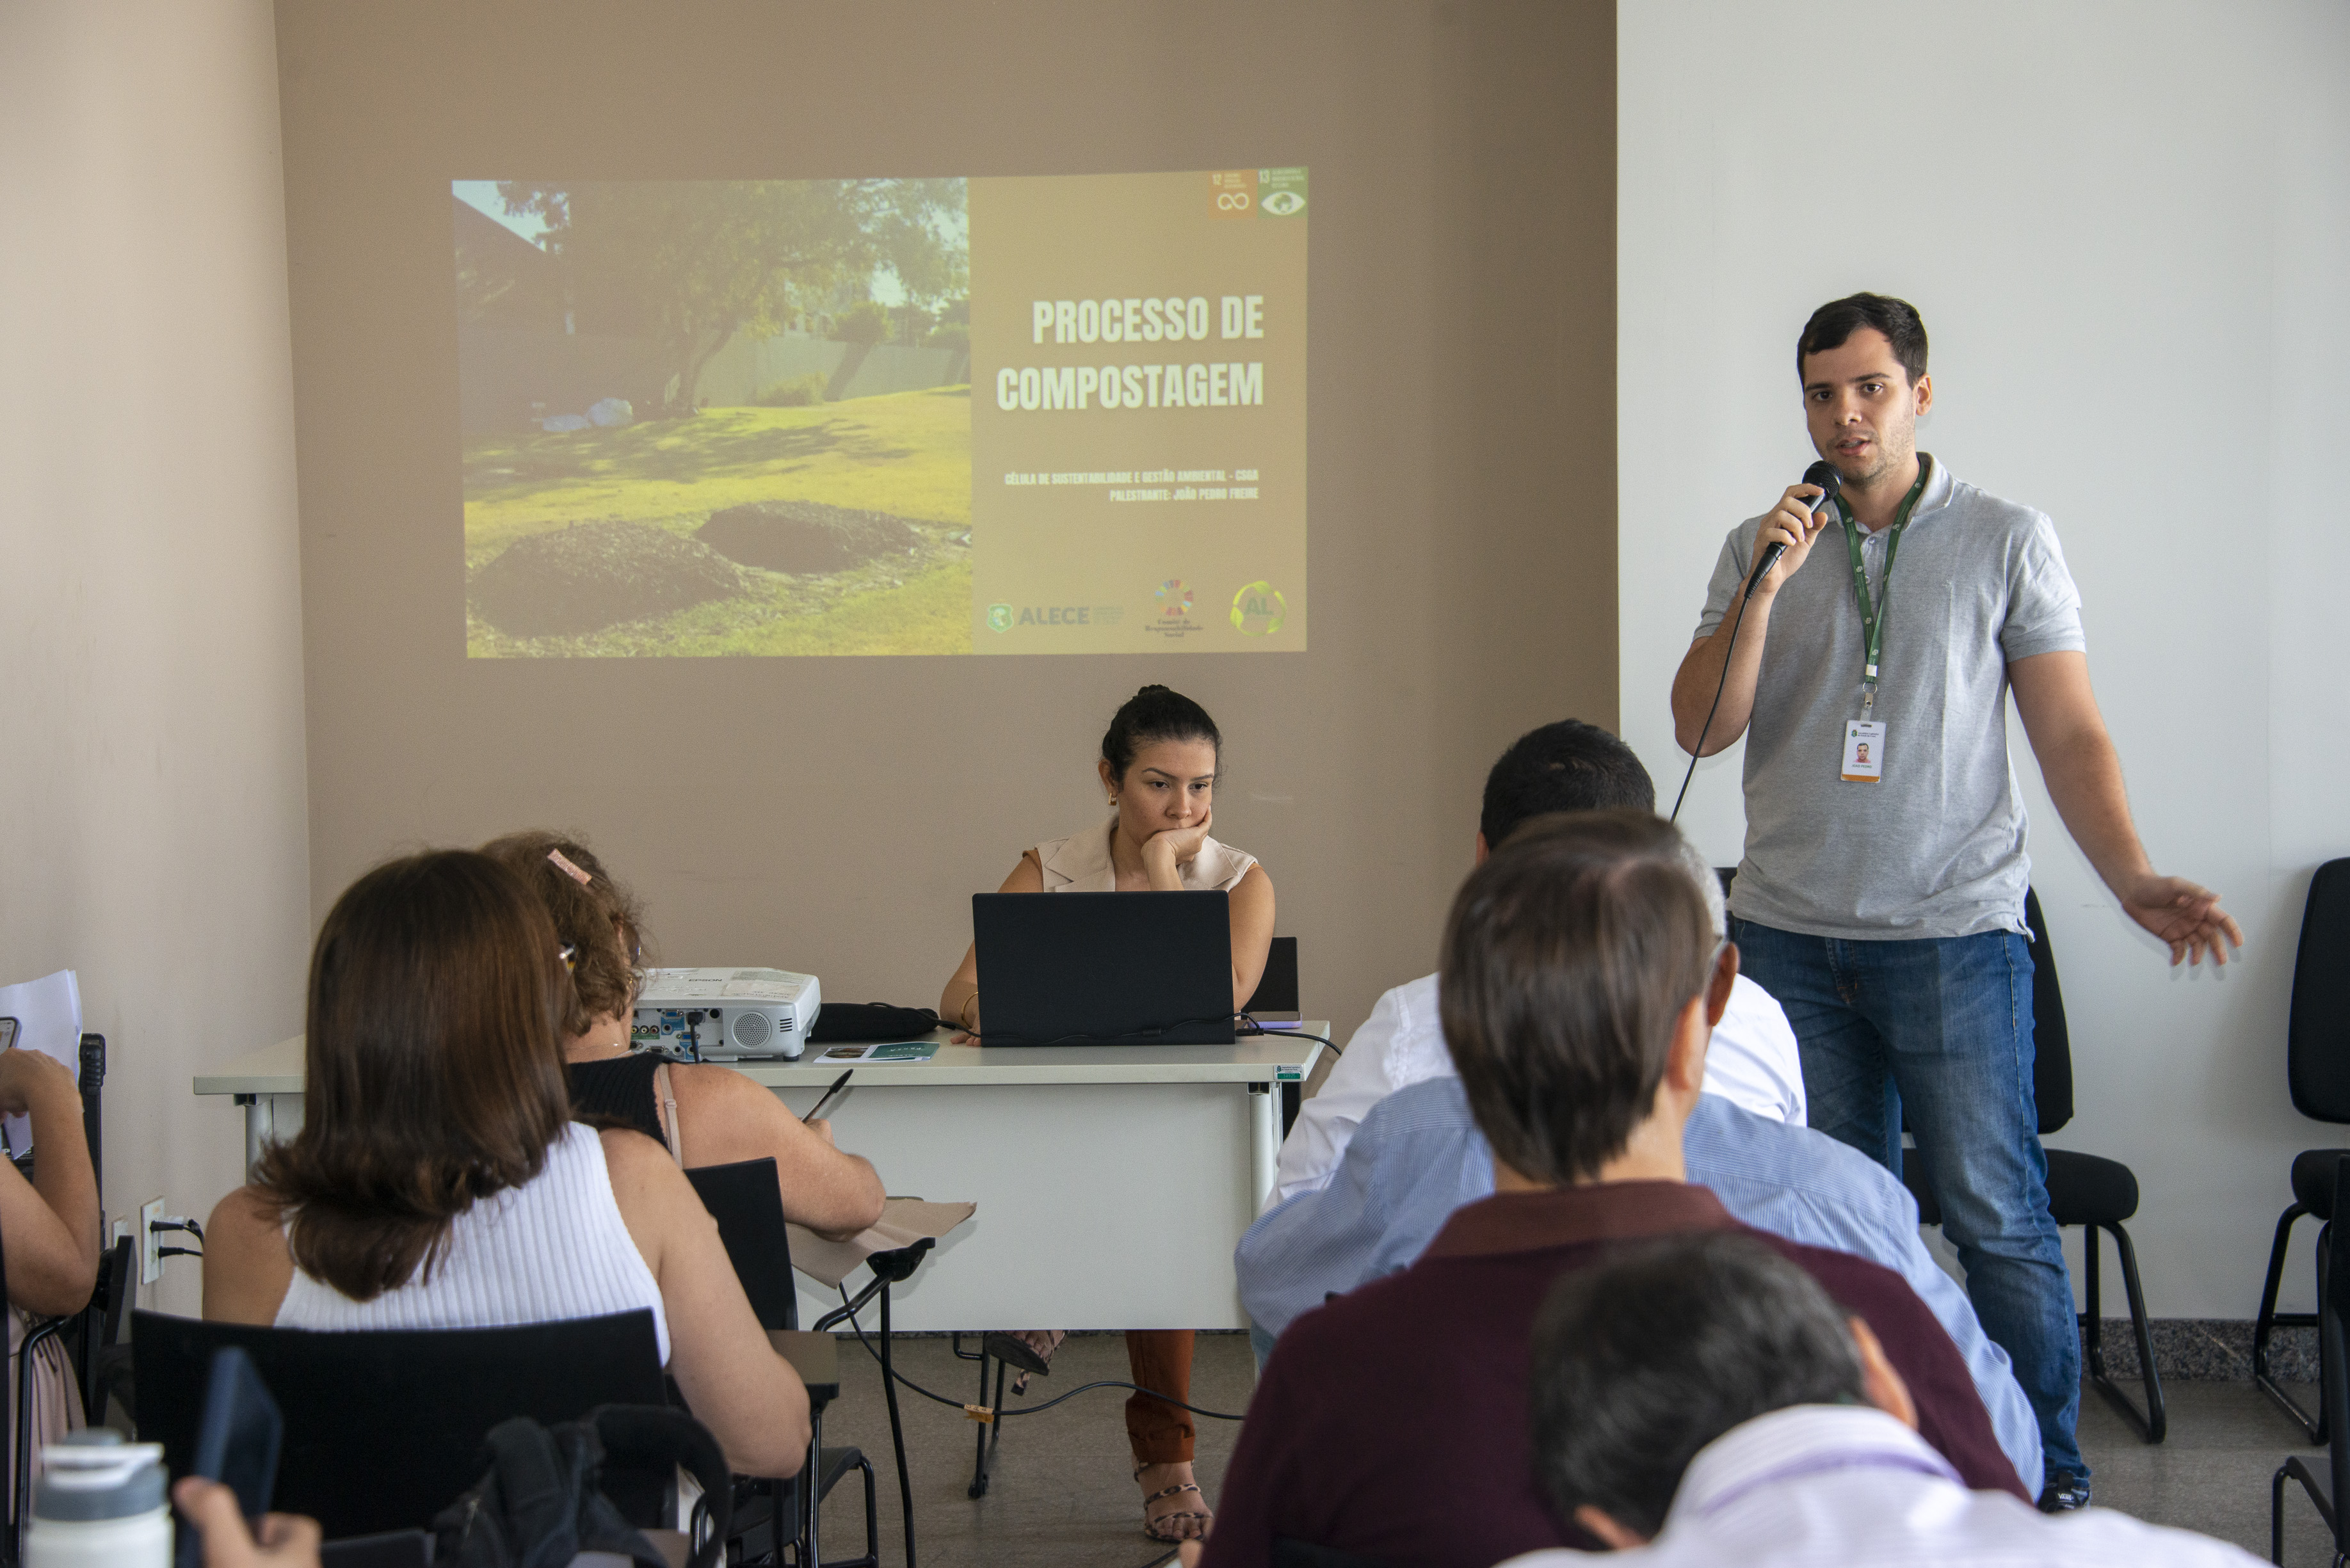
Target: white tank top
(552,1248)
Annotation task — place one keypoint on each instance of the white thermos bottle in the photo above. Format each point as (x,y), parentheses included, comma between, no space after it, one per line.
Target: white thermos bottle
(99,1503)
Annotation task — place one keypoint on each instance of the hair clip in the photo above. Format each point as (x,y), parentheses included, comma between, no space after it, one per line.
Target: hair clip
(563,864)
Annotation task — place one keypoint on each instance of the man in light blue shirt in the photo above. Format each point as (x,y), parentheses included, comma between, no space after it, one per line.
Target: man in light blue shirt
(1418,1156)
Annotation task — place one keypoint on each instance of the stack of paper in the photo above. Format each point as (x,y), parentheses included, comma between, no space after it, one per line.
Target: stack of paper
(48,1020)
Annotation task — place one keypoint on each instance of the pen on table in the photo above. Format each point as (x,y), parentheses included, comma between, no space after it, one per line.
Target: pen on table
(838,1085)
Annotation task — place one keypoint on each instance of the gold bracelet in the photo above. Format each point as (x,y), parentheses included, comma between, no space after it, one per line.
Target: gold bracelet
(962,1014)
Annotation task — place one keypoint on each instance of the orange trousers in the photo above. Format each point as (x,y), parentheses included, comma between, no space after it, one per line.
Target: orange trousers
(1160,1358)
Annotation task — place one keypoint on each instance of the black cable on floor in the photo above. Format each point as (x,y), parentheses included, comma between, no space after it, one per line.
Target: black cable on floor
(1025,1409)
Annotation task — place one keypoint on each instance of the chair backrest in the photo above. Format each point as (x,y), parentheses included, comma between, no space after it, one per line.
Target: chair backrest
(385,1429)
(2052,1038)
(1276,988)
(748,1203)
(91,1080)
(2317,1031)
(1288,1552)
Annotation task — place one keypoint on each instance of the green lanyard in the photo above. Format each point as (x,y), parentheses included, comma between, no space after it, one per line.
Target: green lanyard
(1872,615)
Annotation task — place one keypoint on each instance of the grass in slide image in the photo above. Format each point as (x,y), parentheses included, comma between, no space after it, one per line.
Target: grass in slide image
(905,455)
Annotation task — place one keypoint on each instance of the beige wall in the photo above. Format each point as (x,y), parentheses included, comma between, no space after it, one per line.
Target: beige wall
(835,815)
(152,833)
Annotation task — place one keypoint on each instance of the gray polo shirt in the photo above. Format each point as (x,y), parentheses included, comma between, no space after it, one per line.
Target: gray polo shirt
(1936,848)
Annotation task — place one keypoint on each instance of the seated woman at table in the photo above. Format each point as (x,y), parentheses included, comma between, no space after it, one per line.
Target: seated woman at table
(708,1114)
(1158,765)
(439,1181)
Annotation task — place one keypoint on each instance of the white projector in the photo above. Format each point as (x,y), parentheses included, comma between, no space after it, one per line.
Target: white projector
(726,1014)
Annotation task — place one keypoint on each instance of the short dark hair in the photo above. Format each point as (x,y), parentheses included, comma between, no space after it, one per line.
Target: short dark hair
(1566,766)
(1640,1361)
(1833,323)
(1567,959)
(432,1066)
(599,920)
(1156,713)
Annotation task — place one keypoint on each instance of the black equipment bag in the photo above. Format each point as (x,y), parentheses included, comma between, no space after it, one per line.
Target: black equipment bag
(542,1502)
(839,1022)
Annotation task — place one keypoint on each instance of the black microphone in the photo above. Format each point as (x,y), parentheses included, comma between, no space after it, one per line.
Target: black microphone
(1822,474)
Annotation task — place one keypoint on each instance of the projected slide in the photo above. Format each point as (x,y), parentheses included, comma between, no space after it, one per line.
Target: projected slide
(1061,414)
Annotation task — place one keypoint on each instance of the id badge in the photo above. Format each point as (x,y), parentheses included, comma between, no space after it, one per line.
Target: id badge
(1863,752)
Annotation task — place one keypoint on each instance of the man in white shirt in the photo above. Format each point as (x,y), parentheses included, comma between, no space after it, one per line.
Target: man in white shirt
(1701,1400)
(1566,766)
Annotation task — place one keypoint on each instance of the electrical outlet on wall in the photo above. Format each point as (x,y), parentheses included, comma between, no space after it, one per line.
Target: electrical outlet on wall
(150,1261)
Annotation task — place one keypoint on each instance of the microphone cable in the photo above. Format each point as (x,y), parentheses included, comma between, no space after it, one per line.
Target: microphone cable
(1699,750)
(1823,474)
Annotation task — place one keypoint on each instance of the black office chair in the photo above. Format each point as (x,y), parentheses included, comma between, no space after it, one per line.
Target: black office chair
(2332,1317)
(748,1203)
(1276,988)
(2317,1070)
(385,1427)
(2083,1190)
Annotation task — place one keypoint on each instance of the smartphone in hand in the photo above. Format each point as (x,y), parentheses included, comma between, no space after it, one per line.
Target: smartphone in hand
(237,1443)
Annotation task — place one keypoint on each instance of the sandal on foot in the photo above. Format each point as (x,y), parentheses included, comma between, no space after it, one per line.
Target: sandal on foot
(1177,1526)
(1030,1351)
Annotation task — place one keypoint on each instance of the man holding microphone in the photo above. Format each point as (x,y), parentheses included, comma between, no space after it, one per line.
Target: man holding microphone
(1881,895)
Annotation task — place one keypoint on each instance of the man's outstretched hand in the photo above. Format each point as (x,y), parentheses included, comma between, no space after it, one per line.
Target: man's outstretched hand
(2185,917)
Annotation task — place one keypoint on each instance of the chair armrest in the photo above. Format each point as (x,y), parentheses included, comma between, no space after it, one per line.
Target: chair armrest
(815,1357)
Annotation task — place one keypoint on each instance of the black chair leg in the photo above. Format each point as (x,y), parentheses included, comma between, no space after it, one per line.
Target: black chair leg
(2154,1423)
(2151,1423)
(990,1432)
(2270,1319)
(2294,1470)
(897,1431)
(812,1490)
(872,1558)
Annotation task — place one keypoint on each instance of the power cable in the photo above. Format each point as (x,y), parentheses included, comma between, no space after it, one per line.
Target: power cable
(982,1413)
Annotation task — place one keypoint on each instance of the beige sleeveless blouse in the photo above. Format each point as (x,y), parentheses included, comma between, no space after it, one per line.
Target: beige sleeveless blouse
(1081,864)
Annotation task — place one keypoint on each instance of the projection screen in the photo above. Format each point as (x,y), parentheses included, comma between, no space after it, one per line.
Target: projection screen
(1051,414)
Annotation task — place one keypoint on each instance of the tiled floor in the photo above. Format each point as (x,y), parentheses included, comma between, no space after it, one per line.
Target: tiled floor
(1061,1497)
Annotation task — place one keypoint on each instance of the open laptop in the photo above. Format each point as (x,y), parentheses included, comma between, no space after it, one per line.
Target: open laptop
(1103,969)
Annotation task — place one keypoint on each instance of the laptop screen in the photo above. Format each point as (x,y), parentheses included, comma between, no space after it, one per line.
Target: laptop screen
(1103,969)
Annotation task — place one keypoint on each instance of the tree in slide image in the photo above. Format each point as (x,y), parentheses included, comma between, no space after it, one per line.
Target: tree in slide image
(691,263)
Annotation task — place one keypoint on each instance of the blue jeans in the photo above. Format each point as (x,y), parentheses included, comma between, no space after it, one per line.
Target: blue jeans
(1940,1029)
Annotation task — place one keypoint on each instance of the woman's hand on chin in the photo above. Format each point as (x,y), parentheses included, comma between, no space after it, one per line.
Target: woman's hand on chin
(1178,846)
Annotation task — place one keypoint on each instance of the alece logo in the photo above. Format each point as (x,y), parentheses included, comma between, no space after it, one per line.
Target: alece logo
(1258,610)
(999,617)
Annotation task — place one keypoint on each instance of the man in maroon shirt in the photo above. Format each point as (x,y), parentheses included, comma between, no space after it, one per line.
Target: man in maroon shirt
(1581,979)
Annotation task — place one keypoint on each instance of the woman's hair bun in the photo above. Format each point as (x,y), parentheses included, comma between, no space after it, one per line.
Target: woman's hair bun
(1156,713)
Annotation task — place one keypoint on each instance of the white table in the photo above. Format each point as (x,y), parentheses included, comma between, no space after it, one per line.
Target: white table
(1112,1182)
